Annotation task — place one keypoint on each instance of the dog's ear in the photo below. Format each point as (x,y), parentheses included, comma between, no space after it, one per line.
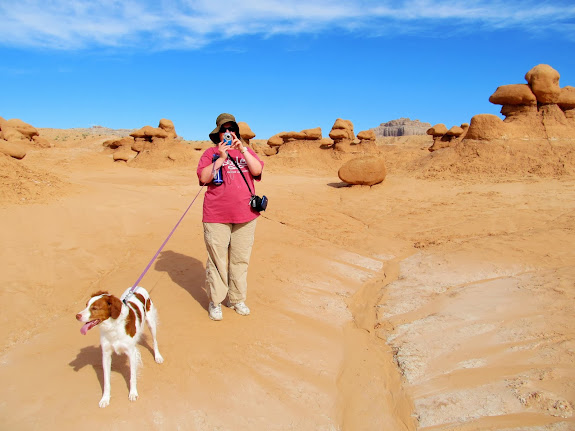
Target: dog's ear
(115,306)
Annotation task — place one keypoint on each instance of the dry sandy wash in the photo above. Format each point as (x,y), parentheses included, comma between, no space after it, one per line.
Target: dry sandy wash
(440,299)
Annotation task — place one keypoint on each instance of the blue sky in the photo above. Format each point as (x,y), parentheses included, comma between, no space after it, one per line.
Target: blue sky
(278,65)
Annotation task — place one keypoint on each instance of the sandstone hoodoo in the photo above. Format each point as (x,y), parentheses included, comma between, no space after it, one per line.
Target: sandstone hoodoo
(540,109)
(246,132)
(363,170)
(443,138)
(305,135)
(537,135)
(311,138)
(150,146)
(16,136)
(401,127)
(341,139)
(168,127)
(342,135)
(367,142)
(345,141)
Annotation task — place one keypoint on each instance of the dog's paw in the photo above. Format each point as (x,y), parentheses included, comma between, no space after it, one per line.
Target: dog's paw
(133,396)
(104,402)
(159,359)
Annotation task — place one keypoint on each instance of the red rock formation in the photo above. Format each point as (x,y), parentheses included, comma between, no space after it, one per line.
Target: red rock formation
(539,109)
(311,137)
(364,170)
(246,132)
(342,135)
(443,138)
(16,136)
(156,144)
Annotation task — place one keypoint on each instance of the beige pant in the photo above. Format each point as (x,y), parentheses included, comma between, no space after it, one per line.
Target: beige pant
(229,248)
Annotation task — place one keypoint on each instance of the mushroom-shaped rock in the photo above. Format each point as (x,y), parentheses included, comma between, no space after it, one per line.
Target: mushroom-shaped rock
(514,94)
(486,127)
(275,141)
(366,135)
(342,130)
(437,130)
(339,134)
(365,170)
(245,131)
(544,82)
(149,133)
(168,126)
(314,133)
(455,131)
(12,149)
(24,128)
(340,123)
(293,135)
(567,98)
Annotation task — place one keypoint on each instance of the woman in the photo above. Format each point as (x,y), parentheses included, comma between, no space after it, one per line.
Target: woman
(229,220)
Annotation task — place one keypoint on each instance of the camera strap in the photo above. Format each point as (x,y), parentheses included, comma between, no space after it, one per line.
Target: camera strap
(243,176)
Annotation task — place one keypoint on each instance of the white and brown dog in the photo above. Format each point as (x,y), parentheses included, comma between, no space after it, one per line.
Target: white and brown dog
(121,327)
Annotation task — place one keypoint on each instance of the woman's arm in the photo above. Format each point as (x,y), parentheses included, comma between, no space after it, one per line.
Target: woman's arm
(207,174)
(254,165)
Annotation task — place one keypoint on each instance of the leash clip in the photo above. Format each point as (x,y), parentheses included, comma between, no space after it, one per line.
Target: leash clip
(125,300)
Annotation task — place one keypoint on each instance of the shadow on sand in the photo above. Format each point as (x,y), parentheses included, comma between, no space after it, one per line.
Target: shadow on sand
(92,356)
(187,272)
(339,185)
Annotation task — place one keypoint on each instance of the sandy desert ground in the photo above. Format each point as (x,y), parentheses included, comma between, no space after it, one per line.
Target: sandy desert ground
(440,299)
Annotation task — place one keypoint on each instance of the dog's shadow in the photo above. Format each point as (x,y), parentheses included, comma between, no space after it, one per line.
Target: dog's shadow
(187,272)
(92,356)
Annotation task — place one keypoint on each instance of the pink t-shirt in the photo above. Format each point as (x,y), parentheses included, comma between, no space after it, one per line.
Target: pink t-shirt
(229,202)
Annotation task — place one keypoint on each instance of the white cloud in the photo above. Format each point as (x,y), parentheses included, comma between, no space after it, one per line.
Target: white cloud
(191,24)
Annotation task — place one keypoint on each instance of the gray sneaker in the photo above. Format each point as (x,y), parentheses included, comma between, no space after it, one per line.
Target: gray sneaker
(215,311)
(241,308)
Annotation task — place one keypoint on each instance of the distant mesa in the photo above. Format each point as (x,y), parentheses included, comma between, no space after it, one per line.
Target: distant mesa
(401,127)
(16,137)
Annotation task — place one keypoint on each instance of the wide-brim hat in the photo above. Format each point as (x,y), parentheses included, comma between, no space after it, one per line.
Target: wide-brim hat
(221,120)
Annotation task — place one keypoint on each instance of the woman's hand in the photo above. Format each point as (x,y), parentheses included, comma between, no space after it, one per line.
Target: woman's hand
(223,149)
(236,143)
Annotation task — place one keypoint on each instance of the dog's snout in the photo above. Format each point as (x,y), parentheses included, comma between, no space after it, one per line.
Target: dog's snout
(79,316)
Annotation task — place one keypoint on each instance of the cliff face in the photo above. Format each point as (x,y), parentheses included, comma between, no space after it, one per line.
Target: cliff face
(401,127)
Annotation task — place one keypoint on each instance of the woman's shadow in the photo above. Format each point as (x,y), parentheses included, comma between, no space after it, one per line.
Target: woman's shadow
(188,272)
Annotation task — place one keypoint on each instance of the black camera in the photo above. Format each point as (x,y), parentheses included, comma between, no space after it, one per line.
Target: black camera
(259,204)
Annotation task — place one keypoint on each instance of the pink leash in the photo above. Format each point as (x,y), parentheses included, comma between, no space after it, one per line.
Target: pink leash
(160,249)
